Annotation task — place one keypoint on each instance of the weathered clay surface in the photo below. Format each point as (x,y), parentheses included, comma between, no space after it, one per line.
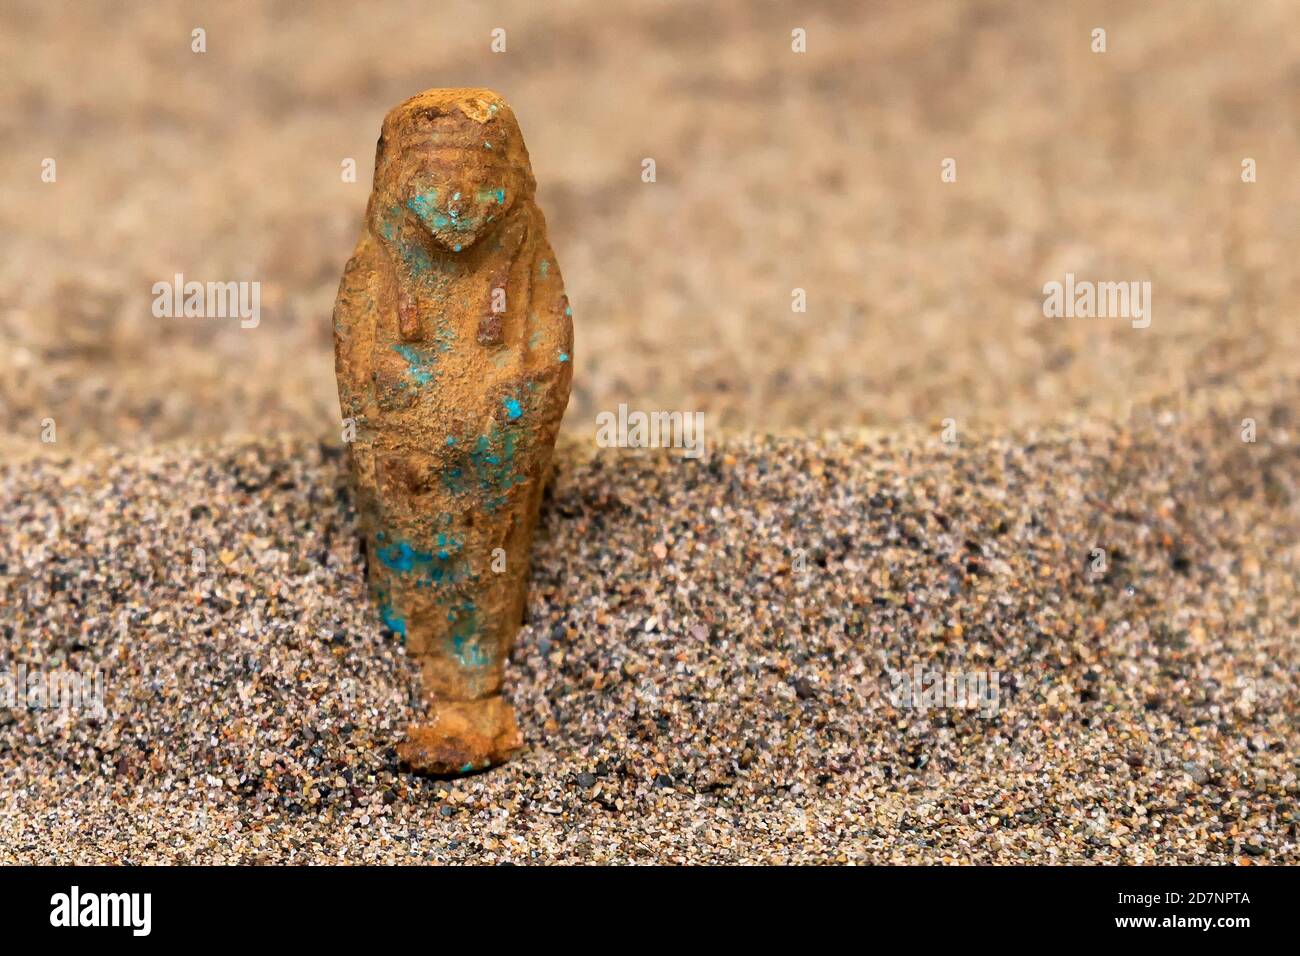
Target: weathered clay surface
(453,348)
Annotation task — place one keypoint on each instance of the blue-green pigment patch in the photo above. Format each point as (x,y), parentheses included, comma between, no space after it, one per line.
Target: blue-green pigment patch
(419,365)
(488,468)
(465,632)
(392,620)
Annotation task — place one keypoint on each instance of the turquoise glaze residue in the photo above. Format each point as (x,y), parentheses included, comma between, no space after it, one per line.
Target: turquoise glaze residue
(420,366)
(416,259)
(448,545)
(424,205)
(445,337)
(412,253)
(488,469)
(437,567)
(402,557)
(465,632)
(392,620)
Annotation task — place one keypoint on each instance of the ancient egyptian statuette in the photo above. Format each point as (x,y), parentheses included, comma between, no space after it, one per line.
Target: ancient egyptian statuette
(453,345)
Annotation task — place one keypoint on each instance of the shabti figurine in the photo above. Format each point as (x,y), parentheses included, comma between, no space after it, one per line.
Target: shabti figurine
(453,345)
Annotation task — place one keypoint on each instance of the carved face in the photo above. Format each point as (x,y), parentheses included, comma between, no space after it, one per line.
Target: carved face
(451,165)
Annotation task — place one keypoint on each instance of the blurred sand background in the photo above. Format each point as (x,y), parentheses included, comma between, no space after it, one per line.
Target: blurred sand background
(687,692)
(776,171)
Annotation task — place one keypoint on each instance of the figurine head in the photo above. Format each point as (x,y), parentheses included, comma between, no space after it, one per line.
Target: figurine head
(451,162)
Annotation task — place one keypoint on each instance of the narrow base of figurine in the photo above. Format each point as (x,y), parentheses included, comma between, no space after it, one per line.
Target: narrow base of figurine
(462,736)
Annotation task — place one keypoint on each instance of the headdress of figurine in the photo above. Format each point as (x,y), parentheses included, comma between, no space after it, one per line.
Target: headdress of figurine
(453,164)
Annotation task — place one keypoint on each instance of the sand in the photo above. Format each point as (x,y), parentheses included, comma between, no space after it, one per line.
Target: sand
(711,666)
(708,670)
